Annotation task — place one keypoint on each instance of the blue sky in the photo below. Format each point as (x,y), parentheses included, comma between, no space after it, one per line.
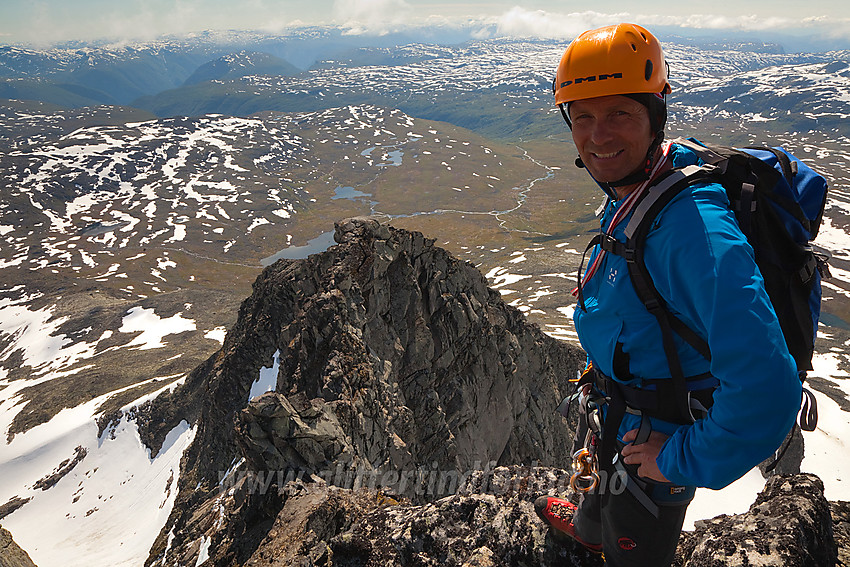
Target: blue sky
(48,21)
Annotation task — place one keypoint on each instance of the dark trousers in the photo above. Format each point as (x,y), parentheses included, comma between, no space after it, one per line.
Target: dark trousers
(631,535)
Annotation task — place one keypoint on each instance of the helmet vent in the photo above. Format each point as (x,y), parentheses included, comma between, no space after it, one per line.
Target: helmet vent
(612,60)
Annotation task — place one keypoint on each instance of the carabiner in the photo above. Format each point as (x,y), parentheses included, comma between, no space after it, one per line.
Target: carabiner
(585,478)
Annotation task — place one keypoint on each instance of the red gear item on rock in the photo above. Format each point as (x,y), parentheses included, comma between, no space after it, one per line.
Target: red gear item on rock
(557,513)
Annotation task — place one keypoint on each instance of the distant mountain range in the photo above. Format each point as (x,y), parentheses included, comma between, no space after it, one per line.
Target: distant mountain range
(460,84)
(241,64)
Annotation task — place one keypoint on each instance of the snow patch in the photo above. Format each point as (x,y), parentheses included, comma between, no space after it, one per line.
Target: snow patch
(204,551)
(216,334)
(152,327)
(501,277)
(109,508)
(734,499)
(267,380)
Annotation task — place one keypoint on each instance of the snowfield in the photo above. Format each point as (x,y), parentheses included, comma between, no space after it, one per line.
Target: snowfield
(109,508)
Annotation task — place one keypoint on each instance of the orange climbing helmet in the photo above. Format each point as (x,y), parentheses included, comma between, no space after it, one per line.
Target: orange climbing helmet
(625,60)
(612,60)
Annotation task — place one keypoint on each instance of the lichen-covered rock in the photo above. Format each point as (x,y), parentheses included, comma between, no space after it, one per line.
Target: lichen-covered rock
(841,530)
(489,522)
(789,524)
(11,555)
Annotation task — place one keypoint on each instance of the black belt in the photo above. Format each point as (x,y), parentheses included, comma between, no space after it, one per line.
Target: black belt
(656,398)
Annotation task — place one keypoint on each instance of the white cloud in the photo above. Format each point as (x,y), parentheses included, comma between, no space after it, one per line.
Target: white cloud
(719,21)
(520,22)
(47,21)
(832,27)
(371,16)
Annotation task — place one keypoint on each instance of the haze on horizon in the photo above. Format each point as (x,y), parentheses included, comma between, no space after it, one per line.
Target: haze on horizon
(46,22)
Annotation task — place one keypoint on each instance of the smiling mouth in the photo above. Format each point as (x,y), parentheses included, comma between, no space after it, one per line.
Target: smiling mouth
(607,156)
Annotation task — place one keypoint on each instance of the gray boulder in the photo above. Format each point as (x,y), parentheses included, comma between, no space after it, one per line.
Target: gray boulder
(10,554)
(790,523)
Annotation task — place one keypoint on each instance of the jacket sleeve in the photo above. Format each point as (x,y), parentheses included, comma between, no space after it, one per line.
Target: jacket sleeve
(702,263)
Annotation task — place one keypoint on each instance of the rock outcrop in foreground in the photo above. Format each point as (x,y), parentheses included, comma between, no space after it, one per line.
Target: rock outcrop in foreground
(413,422)
(10,554)
(789,524)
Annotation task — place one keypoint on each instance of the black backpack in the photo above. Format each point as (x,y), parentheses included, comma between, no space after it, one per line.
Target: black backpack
(778,202)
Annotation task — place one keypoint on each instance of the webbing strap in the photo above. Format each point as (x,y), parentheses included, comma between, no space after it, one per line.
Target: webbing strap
(809,412)
(680,388)
(644,430)
(777,456)
(613,419)
(789,168)
(636,490)
(746,208)
(655,193)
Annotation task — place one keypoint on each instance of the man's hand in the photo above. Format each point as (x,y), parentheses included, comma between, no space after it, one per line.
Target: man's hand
(644,454)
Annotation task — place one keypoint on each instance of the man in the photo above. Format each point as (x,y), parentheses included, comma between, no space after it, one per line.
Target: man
(611,86)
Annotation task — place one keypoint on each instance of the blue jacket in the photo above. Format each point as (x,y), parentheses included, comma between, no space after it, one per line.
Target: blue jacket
(703,266)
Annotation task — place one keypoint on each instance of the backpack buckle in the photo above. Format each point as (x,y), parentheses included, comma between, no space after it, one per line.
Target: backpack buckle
(711,168)
(614,246)
(809,268)
(652,305)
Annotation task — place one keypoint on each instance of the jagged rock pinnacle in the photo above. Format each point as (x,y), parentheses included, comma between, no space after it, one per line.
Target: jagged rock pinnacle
(394,360)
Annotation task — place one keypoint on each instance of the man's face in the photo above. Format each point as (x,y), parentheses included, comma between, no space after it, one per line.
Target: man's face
(612,135)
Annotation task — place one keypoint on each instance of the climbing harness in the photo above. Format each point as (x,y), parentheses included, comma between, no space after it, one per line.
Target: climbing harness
(597,447)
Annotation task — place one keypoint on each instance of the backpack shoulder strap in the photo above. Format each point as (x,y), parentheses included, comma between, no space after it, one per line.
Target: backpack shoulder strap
(712,155)
(659,195)
(662,193)
(636,231)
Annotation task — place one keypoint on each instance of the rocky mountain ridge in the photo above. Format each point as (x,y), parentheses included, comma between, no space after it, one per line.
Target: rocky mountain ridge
(412,422)
(378,403)
(11,555)
(390,356)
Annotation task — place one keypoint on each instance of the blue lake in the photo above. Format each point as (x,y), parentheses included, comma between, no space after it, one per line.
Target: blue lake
(393,158)
(318,244)
(349,193)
